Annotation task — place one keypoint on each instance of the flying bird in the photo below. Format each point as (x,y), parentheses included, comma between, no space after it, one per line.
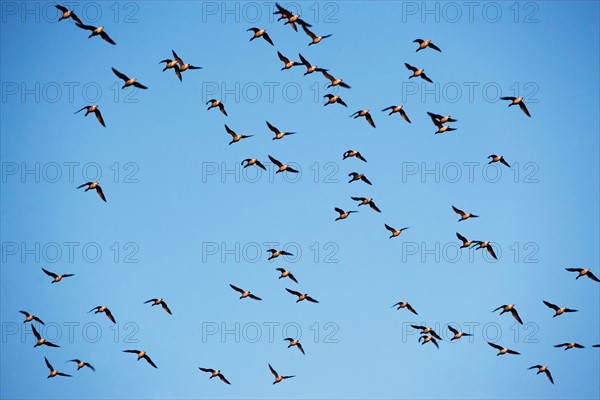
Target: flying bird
(441,127)
(291,18)
(278,378)
(57,278)
(568,346)
(358,177)
(464,215)
(172,64)
(278,134)
(427,339)
(395,232)
(441,118)
(457,333)
(66,13)
(364,113)
(315,39)
(366,201)
(277,253)
(517,101)
(465,242)
(287,64)
(95,31)
(399,110)
(54,372)
(234,136)
(93,109)
(81,364)
(352,153)
(282,167)
(503,350)
(426,330)
(543,368)
(159,302)
(301,296)
(294,342)
(140,355)
(512,309)
(31,317)
(105,310)
(417,72)
(485,245)
(310,68)
(260,33)
(217,103)
(334,99)
(183,66)
(128,81)
(334,81)
(495,158)
(286,274)
(423,44)
(343,214)
(94,185)
(215,372)
(244,293)
(558,310)
(252,161)
(583,272)
(404,304)
(40,340)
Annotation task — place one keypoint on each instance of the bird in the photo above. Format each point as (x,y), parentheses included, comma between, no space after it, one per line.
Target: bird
(252,161)
(66,13)
(183,66)
(260,33)
(464,215)
(140,355)
(352,153)
(457,333)
(517,101)
(217,103)
(423,44)
(95,110)
(278,133)
(215,372)
(244,293)
(295,342)
(235,137)
(334,81)
(442,119)
(310,68)
(31,317)
(287,64)
(277,253)
(558,310)
(291,18)
(512,309)
(496,158)
(395,232)
(358,177)
(364,113)
(366,201)
(95,31)
(485,245)
(426,330)
(343,214)
(105,310)
(278,378)
(465,242)
(334,99)
(568,346)
(399,110)
(441,127)
(404,304)
(94,185)
(40,340)
(172,64)
(128,81)
(57,278)
(417,72)
(301,296)
(503,350)
(159,302)
(54,372)
(315,39)
(543,368)
(583,272)
(282,167)
(286,274)
(426,339)
(81,364)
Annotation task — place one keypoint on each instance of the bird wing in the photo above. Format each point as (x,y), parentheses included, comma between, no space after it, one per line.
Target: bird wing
(272,128)
(99,117)
(166,307)
(139,85)
(374,207)
(276,162)
(370,119)
(425,77)
(403,115)
(177,58)
(206,369)
(462,239)
(237,289)
(516,315)
(267,38)
(100,193)
(293,292)
(308,32)
(452,330)
(36,333)
(292,277)
(149,360)
(410,67)
(339,210)
(107,38)
(389,228)
(548,304)
(52,274)
(508,98)
(283,58)
(412,310)
(120,75)
(273,371)
(230,131)
(254,297)
(433,46)
(524,109)
(222,378)
(494,345)
(491,251)
(86,27)
(460,212)
(109,315)
(592,276)
(549,375)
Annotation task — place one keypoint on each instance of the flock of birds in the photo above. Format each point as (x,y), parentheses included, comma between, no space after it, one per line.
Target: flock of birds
(441,123)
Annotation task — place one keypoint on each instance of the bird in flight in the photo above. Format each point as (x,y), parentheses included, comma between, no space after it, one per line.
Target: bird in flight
(352,153)
(512,309)
(366,201)
(495,158)
(295,342)
(278,378)
(423,44)
(56,278)
(215,372)
(404,304)
(93,109)
(128,81)
(277,253)
(31,317)
(252,161)
(287,64)
(216,103)
(426,339)
(244,293)
(358,177)
(81,364)
(234,136)
(343,214)
(426,330)
(457,333)
(105,310)
(417,72)
(40,340)
(399,110)
(485,245)
(364,113)
(286,274)
(310,68)
(159,302)
(95,31)
(440,118)
(334,99)
(66,13)
(465,243)
(315,39)
(301,296)
(503,350)
(172,64)
(278,133)
(282,167)
(334,81)
(517,101)
(183,66)
(394,232)
(140,355)
(441,127)
(260,33)
(94,185)
(583,272)
(292,19)
(568,346)
(558,310)
(543,368)
(464,215)
(54,372)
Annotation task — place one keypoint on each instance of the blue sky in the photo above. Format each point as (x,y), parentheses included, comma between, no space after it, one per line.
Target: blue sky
(183,221)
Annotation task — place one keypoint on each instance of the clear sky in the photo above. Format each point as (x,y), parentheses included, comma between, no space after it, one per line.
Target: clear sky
(183,221)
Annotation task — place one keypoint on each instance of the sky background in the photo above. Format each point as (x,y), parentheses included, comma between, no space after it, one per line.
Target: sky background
(183,221)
